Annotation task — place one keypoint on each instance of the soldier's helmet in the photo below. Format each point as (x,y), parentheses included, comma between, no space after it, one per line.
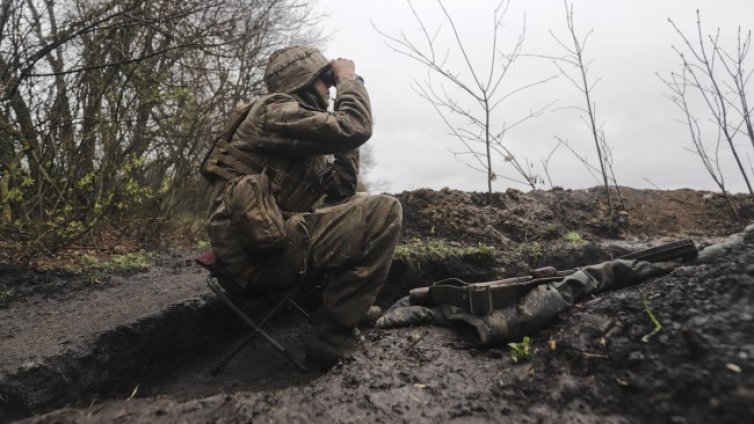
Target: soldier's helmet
(293,68)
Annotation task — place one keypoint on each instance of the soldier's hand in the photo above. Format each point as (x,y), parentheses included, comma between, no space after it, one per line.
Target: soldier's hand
(343,69)
(404,314)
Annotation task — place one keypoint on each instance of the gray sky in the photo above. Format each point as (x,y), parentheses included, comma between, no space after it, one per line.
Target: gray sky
(630,43)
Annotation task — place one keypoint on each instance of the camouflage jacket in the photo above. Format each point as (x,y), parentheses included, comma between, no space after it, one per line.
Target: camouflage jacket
(290,142)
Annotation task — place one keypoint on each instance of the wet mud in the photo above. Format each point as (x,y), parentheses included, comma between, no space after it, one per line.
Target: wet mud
(139,348)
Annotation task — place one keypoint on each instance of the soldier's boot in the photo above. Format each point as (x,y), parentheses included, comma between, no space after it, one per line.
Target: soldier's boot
(328,343)
(356,242)
(374,313)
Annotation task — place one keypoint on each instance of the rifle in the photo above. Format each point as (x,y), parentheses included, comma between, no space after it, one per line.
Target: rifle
(483,298)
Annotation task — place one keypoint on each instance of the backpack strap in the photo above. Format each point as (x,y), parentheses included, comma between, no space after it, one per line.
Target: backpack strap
(228,162)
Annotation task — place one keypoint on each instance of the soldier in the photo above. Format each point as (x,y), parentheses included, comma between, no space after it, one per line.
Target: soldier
(284,204)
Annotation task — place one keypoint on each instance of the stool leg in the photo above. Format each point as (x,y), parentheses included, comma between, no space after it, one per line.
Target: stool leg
(220,365)
(300,310)
(215,287)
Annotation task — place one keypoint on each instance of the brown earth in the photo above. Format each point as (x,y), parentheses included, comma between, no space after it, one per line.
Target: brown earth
(66,342)
(539,215)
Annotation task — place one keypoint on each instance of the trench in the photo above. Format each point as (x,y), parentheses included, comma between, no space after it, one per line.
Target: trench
(169,354)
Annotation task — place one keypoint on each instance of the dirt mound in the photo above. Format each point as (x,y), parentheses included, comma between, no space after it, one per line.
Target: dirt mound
(549,215)
(451,233)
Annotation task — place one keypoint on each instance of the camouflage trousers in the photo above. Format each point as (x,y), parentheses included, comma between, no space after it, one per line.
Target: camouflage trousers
(532,311)
(350,245)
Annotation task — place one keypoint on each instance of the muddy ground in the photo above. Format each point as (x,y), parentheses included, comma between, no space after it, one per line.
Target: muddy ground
(66,342)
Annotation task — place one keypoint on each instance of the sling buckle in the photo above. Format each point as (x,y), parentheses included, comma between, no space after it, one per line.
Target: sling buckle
(480,300)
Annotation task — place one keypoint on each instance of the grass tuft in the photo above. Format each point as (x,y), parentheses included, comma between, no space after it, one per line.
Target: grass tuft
(120,264)
(573,237)
(657,326)
(6,295)
(521,351)
(416,249)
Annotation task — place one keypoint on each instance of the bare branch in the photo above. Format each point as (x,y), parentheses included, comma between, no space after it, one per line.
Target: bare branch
(477,134)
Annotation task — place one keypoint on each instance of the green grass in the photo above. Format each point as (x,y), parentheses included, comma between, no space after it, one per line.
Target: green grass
(573,237)
(532,251)
(6,295)
(521,351)
(657,326)
(119,264)
(416,249)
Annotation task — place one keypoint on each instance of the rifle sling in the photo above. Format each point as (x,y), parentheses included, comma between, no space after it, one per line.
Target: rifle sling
(228,162)
(480,299)
(483,298)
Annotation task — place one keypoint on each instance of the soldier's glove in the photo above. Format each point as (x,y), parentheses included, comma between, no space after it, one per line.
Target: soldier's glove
(404,314)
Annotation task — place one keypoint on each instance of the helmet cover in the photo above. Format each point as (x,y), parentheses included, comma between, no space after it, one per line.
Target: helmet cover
(292,68)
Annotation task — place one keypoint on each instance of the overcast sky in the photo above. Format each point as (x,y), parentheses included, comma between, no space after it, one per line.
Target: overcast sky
(631,43)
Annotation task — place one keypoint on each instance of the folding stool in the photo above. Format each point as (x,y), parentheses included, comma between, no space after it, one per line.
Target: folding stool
(223,286)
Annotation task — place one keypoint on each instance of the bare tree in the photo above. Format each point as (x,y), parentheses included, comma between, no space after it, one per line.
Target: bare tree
(366,164)
(481,137)
(724,95)
(574,62)
(678,85)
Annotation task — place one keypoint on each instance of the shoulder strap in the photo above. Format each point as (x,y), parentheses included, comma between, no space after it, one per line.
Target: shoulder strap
(236,118)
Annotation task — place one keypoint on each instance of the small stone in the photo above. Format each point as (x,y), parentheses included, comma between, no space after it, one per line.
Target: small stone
(495,353)
(636,357)
(710,253)
(733,367)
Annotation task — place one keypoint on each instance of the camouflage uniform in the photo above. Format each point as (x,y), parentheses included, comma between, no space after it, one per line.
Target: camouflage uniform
(288,136)
(533,310)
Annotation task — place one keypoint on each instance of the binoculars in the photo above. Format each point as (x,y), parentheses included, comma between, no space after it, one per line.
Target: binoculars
(329,78)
